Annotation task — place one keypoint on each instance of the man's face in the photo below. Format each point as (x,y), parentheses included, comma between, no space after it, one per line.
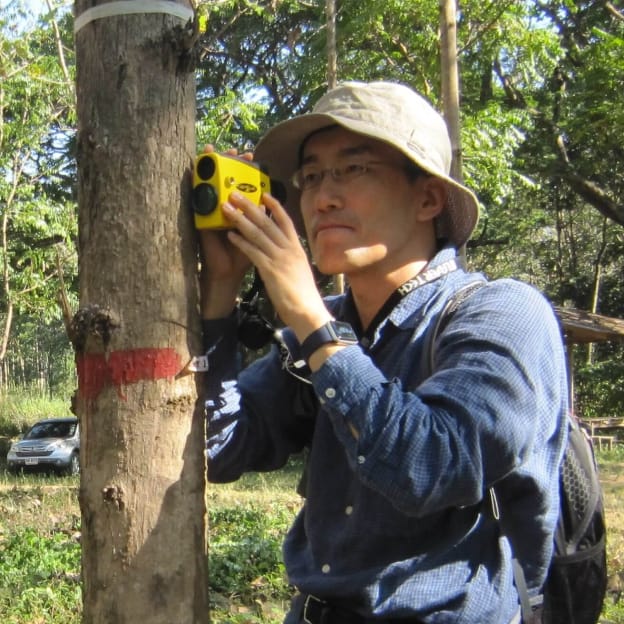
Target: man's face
(369,223)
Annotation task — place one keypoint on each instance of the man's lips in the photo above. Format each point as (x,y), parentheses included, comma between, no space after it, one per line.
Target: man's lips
(327,227)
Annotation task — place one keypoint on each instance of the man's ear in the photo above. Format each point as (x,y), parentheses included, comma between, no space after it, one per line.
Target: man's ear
(433,197)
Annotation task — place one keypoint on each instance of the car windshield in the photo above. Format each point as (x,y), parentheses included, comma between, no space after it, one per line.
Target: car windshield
(51,430)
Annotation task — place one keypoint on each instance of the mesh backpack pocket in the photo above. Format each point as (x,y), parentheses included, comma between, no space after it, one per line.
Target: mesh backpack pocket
(577,577)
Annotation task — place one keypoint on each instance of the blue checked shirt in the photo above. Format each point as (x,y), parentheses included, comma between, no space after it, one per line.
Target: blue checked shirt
(397,521)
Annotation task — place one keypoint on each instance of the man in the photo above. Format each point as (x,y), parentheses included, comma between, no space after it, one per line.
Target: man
(397,524)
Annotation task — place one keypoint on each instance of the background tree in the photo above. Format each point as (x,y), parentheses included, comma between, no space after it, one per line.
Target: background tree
(37,217)
(450,81)
(142,452)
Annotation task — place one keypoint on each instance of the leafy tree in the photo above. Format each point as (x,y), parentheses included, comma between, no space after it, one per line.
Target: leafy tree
(37,214)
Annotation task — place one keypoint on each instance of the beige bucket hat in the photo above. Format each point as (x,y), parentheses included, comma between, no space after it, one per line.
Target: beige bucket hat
(385,111)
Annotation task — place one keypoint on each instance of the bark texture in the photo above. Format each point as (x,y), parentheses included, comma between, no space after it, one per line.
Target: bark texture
(450,81)
(143,471)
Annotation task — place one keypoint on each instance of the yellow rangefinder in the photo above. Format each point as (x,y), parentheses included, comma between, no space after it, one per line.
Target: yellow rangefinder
(215,176)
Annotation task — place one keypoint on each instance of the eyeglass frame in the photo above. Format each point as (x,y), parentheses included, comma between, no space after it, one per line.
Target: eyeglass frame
(339,176)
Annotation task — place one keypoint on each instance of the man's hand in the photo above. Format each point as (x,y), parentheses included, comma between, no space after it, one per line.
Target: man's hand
(267,236)
(264,236)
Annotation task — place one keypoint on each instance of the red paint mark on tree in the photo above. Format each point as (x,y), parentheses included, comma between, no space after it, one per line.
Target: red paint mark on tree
(97,371)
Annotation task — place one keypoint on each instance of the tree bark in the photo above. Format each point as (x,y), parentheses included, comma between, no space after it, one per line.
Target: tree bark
(332,81)
(450,81)
(450,87)
(142,427)
(595,196)
(332,64)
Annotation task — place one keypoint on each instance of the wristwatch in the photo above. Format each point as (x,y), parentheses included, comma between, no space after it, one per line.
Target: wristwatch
(335,332)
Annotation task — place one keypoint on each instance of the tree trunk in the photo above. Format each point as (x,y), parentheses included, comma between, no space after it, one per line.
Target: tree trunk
(332,81)
(450,81)
(450,86)
(142,428)
(332,66)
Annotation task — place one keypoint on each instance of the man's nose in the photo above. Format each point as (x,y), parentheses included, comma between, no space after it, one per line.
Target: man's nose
(328,194)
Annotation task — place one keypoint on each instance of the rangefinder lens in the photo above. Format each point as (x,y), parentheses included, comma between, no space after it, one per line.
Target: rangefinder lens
(204,199)
(205,168)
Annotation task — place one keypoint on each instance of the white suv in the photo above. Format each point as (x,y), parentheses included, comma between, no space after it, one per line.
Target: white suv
(53,443)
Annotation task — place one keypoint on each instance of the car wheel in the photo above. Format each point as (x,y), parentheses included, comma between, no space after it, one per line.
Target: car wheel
(74,465)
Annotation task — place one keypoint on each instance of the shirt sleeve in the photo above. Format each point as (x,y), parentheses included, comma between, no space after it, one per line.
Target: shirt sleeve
(497,396)
(256,417)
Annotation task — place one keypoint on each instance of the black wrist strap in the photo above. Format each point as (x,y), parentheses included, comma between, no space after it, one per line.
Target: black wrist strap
(327,334)
(314,341)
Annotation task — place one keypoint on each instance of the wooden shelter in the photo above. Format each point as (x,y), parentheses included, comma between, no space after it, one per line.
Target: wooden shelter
(580,327)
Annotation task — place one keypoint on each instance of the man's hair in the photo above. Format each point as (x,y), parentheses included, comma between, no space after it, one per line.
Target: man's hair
(413,171)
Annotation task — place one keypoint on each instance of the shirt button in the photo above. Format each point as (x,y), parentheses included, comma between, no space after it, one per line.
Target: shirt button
(361,459)
(326,568)
(349,510)
(330,393)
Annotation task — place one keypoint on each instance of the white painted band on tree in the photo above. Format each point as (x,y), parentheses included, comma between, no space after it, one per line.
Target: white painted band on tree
(129,7)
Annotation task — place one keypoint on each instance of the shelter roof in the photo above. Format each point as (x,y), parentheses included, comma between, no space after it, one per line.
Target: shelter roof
(583,327)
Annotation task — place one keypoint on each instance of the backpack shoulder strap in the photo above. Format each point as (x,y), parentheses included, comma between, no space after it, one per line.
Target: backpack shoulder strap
(527,604)
(450,307)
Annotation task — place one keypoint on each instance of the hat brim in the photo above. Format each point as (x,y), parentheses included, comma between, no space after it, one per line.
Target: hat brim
(279,152)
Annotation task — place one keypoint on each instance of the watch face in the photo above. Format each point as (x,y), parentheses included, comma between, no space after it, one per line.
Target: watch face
(344,331)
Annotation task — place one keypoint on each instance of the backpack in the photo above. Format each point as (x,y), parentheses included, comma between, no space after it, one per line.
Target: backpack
(577,577)
(576,582)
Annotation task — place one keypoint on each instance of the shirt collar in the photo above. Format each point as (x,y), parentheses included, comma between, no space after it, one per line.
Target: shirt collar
(403,313)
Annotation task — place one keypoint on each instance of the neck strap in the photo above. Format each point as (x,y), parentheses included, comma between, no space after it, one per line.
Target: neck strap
(427,276)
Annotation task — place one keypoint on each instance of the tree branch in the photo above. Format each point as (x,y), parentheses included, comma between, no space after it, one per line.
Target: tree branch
(614,11)
(594,195)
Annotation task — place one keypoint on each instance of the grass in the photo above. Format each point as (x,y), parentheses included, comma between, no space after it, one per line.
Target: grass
(248,520)
(40,549)
(611,465)
(20,410)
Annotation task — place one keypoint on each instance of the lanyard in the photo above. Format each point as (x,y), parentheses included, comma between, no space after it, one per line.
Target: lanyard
(425,277)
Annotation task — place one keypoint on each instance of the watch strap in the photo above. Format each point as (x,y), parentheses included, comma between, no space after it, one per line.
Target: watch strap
(333,332)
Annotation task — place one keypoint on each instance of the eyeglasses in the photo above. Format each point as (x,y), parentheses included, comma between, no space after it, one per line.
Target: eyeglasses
(310,177)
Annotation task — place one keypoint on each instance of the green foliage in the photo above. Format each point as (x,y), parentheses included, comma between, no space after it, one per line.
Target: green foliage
(389,40)
(599,391)
(39,578)
(40,357)
(245,552)
(37,211)
(542,111)
(20,409)
(227,121)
